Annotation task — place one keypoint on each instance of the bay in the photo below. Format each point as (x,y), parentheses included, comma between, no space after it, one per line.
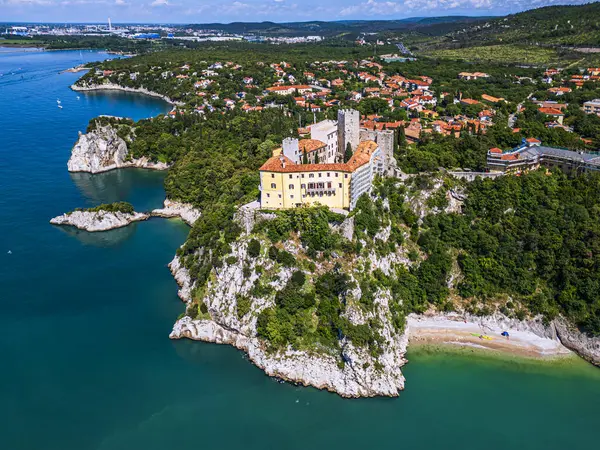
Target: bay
(85,318)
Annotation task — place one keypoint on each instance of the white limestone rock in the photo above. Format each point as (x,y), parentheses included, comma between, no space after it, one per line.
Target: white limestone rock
(182,276)
(102,150)
(98,220)
(185,211)
(362,375)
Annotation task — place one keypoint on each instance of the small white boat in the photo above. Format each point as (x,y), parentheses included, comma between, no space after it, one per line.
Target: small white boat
(58,101)
(78,97)
(60,106)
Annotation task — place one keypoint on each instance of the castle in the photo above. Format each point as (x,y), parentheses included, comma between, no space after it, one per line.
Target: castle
(319,169)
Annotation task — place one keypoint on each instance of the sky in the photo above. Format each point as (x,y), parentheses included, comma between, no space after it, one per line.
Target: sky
(225,11)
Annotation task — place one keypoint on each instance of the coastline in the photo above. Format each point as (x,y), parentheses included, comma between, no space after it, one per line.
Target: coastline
(526,339)
(551,366)
(116,87)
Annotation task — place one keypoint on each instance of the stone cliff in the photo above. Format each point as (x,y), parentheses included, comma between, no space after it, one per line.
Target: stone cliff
(102,150)
(98,220)
(185,211)
(351,371)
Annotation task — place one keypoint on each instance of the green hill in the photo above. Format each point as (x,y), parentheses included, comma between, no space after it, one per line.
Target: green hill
(556,25)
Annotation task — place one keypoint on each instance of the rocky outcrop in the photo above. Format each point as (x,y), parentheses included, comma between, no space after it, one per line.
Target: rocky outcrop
(83,87)
(185,211)
(182,276)
(248,215)
(585,346)
(356,374)
(102,150)
(98,220)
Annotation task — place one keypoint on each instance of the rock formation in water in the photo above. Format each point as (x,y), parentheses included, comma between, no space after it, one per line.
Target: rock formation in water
(185,211)
(350,371)
(585,346)
(98,220)
(103,149)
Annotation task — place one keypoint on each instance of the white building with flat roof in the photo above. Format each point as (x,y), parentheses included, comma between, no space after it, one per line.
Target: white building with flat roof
(326,131)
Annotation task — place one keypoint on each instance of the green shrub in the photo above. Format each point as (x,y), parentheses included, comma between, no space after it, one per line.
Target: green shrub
(243,305)
(253,248)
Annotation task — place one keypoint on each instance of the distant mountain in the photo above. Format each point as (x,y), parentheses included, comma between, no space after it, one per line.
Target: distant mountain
(425,25)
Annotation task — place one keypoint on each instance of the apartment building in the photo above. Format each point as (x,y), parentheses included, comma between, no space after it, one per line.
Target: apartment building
(592,107)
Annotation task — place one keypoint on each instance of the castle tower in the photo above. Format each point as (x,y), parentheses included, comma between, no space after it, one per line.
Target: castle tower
(348,131)
(385,141)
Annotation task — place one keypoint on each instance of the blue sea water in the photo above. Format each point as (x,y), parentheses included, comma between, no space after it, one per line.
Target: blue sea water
(86,362)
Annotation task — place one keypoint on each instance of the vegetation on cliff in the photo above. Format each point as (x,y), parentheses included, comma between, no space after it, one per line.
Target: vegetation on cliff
(122,207)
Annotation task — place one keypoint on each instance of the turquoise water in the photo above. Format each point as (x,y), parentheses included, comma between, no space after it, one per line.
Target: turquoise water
(84,320)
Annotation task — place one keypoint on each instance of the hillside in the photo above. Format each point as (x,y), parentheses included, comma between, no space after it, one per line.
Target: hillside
(552,25)
(556,35)
(434,26)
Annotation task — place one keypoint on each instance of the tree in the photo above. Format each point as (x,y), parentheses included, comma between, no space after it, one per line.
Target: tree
(348,153)
(253,248)
(304,158)
(316,158)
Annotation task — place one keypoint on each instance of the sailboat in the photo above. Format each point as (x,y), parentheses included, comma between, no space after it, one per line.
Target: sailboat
(58,101)
(60,106)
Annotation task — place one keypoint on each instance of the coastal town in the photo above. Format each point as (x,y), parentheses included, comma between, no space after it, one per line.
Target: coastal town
(377,118)
(341,225)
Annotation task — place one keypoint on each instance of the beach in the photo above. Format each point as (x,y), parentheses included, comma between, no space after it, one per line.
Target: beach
(459,331)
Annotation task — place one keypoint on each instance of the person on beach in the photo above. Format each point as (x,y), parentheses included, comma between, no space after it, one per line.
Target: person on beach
(505,333)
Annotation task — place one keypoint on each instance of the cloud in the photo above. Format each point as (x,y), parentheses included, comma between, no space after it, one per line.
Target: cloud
(160,3)
(28,2)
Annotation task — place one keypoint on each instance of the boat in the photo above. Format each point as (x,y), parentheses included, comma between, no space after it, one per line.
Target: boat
(58,101)
(60,106)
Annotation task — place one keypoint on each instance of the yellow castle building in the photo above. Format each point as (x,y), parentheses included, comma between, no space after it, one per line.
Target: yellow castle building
(286,184)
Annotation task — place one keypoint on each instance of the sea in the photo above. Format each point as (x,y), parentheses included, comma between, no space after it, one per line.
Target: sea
(86,362)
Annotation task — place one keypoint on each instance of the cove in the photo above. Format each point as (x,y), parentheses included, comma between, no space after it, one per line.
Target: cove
(84,320)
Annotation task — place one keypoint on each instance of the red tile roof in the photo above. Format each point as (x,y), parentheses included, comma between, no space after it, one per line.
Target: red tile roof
(551,111)
(310,145)
(283,164)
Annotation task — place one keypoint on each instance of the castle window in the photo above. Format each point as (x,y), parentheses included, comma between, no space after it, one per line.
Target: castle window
(340,184)
(303,186)
(290,175)
(272,175)
(268,195)
(345,175)
(311,175)
(320,174)
(328,174)
(336,174)
(273,185)
(291,186)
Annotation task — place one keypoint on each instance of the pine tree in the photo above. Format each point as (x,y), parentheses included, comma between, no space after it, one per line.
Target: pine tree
(316,158)
(304,159)
(348,153)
